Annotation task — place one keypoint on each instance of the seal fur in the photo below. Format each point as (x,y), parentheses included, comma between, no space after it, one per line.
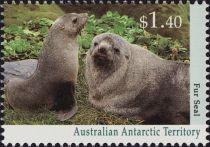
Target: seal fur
(53,82)
(128,80)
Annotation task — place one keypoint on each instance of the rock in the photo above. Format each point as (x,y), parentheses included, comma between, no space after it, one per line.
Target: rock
(20,69)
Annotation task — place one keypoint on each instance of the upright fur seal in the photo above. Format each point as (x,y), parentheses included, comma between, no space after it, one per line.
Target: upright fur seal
(52,84)
(130,81)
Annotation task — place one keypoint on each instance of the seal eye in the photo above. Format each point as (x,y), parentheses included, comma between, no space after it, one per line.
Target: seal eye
(95,43)
(116,50)
(74,20)
(127,57)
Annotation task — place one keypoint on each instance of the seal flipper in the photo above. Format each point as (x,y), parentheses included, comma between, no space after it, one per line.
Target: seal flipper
(64,115)
(65,103)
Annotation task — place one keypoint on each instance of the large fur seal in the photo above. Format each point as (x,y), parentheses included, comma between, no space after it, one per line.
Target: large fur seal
(130,81)
(52,84)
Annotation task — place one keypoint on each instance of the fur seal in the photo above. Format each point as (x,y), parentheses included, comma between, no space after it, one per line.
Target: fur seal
(128,80)
(52,84)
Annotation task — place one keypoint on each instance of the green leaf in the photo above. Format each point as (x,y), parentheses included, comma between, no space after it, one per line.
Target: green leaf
(8,51)
(45,22)
(130,39)
(109,14)
(19,46)
(183,49)
(86,43)
(44,31)
(14,29)
(28,32)
(163,43)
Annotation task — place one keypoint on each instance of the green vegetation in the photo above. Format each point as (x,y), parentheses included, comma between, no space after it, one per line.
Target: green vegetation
(25,41)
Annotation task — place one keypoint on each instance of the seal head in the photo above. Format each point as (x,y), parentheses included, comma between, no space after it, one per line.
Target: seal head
(70,24)
(106,52)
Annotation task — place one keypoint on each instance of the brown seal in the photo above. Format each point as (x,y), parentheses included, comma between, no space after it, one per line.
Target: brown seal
(52,84)
(130,81)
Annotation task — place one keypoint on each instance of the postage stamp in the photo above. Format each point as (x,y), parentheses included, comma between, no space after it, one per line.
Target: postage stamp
(90,72)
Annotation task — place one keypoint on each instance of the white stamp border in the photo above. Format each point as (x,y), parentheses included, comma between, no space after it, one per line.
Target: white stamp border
(43,133)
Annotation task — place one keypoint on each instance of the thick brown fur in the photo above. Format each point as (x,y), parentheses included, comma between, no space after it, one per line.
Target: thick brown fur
(52,84)
(130,81)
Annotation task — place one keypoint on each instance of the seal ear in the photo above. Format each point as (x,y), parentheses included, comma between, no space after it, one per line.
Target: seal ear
(61,26)
(74,20)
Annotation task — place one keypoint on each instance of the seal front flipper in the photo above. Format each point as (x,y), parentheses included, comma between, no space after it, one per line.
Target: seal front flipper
(63,115)
(65,103)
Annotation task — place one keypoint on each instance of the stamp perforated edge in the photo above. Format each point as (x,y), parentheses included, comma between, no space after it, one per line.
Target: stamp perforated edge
(73,2)
(1,69)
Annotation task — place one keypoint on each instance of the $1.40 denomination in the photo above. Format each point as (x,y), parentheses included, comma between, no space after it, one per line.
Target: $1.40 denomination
(171,22)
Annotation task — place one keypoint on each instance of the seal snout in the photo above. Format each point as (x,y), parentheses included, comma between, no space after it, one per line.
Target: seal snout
(102,54)
(84,15)
(101,50)
(83,19)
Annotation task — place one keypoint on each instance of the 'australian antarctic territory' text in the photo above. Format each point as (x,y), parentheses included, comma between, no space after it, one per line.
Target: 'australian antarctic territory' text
(153,131)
